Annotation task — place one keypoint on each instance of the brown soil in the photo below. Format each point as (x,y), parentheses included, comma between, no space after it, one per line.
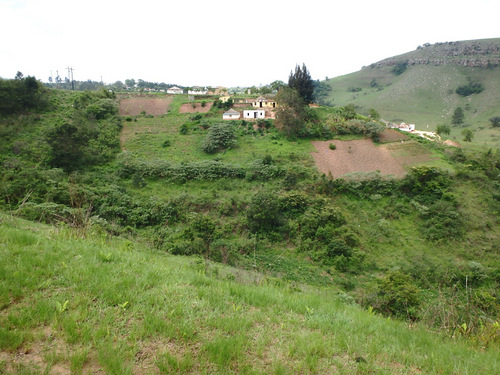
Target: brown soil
(449,142)
(188,108)
(391,135)
(355,156)
(152,106)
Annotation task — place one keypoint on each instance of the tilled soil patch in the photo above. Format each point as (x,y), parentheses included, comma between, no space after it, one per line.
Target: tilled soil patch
(355,156)
(189,108)
(151,106)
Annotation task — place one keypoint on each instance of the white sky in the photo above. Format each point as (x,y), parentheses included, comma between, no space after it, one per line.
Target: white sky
(224,42)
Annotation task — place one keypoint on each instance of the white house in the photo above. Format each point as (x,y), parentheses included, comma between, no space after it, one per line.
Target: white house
(231,115)
(198,91)
(175,90)
(254,113)
(406,127)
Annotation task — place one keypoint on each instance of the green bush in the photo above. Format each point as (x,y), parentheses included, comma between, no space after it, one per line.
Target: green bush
(294,202)
(469,89)
(220,137)
(425,183)
(184,129)
(264,213)
(21,95)
(397,295)
(315,220)
(442,222)
(263,169)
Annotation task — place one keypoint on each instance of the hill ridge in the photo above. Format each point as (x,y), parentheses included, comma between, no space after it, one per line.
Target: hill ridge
(420,87)
(483,53)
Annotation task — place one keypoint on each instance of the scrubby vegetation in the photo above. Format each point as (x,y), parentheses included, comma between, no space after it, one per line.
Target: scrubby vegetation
(422,249)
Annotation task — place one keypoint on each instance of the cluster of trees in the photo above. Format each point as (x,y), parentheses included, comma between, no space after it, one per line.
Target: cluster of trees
(129,84)
(295,117)
(271,88)
(469,89)
(21,94)
(293,112)
(85,133)
(88,85)
(140,84)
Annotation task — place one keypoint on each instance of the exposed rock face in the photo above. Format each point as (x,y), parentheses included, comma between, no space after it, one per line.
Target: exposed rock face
(478,53)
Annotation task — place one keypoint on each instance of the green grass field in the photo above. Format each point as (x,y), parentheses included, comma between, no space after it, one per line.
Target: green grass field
(101,304)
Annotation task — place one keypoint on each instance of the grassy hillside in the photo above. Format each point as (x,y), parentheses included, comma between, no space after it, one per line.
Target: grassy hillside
(146,226)
(424,93)
(97,304)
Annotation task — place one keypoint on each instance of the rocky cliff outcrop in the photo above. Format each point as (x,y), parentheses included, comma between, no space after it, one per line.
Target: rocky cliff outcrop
(480,53)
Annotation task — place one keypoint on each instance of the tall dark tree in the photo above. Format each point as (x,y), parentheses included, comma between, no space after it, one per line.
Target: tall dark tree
(302,82)
(458,116)
(291,114)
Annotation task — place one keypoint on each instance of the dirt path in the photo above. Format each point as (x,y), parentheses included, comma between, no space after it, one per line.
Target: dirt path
(355,156)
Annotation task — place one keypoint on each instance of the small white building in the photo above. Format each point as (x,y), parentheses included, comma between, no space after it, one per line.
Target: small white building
(231,115)
(254,113)
(198,91)
(406,127)
(175,90)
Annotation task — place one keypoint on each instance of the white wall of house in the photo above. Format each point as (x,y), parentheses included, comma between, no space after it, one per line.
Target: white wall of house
(175,90)
(231,115)
(254,113)
(197,92)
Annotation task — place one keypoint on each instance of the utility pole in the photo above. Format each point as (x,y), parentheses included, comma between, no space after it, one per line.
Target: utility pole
(70,76)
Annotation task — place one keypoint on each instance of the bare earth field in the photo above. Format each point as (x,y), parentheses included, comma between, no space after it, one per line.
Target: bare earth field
(188,108)
(355,156)
(152,106)
(391,135)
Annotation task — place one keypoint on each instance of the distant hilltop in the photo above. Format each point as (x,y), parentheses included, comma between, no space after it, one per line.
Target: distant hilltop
(484,53)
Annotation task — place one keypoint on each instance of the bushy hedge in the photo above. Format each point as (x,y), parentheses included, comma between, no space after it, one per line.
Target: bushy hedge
(202,170)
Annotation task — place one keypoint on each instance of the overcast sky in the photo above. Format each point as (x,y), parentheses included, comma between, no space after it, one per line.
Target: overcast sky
(224,42)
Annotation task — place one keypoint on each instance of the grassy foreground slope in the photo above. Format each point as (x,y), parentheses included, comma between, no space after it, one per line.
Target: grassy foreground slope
(425,94)
(99,304)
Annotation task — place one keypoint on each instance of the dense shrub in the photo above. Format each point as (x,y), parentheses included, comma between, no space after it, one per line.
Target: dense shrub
(21,94)
(202,170)
(77,145)
(294,202)
(263,213)
(425,183)
(315,220)
(397,295)
(220,137)
(370,184)
(370,129)
(469,89)
(442,222)
(262,169)
(101,109)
